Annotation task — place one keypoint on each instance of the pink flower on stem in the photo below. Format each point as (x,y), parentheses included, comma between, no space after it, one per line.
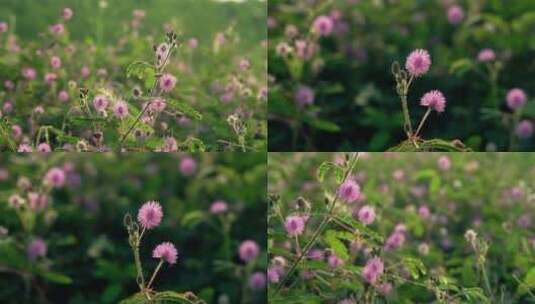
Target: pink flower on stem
(366,215)
(44,148)
(516,98)
(334,261)
(524,129)
(434,100)
(55,177)
(257,281)
(3,27)
(455,14)
(304,96)
(349,191)
(50,78)
(29,73)
(167,82)
(218,207)
(188,166)
(24,148)
(36,248)
(67,13)
(294,225)
(63,96)
(57,29)
(150,215)
(248,250)
(323,25)
(100,102)
(444,163)
(394,241)
(166,251)
(120,110)
(55,62)
(157,105)
(85,71)
(418,62)
(373,269)
(486,55)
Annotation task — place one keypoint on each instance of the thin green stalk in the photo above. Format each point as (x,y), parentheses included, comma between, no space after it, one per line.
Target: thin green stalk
(139,268)
(423,121)
(155,273)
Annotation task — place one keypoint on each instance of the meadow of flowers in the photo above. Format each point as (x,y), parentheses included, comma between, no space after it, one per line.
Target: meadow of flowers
(377,75)
(130,76)
(401,228)
(132,229)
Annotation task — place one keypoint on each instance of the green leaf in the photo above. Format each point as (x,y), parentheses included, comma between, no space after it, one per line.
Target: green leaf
(175,297)
(326,167)
(184,108)
(415,267)
(331,237)
(323,125)
(475,295)
(192,219)
(461,66)
(142,70)
(528,282)
(56,278)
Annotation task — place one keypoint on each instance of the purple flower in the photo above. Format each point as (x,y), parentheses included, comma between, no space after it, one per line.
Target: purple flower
(36,248)
(157,104)
(516,98)
(257,281)
(304,96)
(167,82)
(486,55)
(188,166)
(418,62)
(55,62)
(334,261)
(524,129)
(120,110)
(55,177)
(455,14)
(43,148)
(316,254)
(394,241)
(29,73)
(67,13)
(435,100)
(100,102)
(249,250)
(373,270)
(295,225)
(366,215)
(218,207)
(150,215)
(385,288)
(63,96)
(349,191)
(424,212)
(323,25)
(166,251)
(274,274)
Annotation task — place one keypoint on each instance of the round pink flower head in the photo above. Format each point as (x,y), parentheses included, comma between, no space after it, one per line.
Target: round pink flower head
(158,104)
(516,98)
(394,241)
(424,212)
(524,129)
(55,177)
(366,215)
(3,27)
(257,281)
(67,13)
(274,274)
(100,102)
(444,163)
(165,251)
(55,62)
(150,215)
(304,96)
(249,250)
(385,288)
(36,248)
(323,25)
(373,270)
(57,29)
(188,166)
(294,225)
(418,62)
(29,73)
(193,43)
(120,110)
(167,82)
(218,207)
(24,148)
(349,191)
(486,55)
(434,100)
(44,148)
(85,72)
(50,78)
(455,14)
(63,96)
(334,261)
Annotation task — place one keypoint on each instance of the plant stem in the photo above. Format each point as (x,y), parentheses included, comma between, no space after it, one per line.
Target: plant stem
(486,282)
(139,268)
(407,126)
(422,121)
(155,273)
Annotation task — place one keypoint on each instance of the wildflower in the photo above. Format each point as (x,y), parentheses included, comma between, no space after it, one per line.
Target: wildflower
(166,251)
(257,281)
(36,248)
(244,64)
(394,241)
(516,98)
(100,103)
(63,96)
(470,235)
(120,110)
(55,177)
(316,254)
(85,71)
(334,261)
(294,225)
(218,207)
(16,131)
(349,191)
(29,73)
(373,269)
(274,274)
(138,13)
(44,148)
(50,78)
(67,13)
(486,55)
(157,104)
(38,110)
(304,96)
(55,62)
(455,14)
(167,82)
(435,100)
(57,29)
(283,49)
(524,129)
(193,43)
(170,145)
(366,215)
(418,62)
(8,84)
(15,201)
(248,250)
(385,288)
(150,215)
(323,25)
(3,27)
(444,163)
(188,166)
(24,148)
(37,201)
(424,212)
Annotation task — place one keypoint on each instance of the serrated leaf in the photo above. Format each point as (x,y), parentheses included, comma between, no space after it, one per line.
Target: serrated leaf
(337,246)
(185,109)
(193,218)
(326,167)
(528,282)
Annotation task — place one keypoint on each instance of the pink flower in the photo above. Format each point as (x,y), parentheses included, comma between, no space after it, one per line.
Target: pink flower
(486,55)
(50,78)
(63,96)
(150,215)
(55,62)
(349,191)
(43,147)
(373,270)
(166,251)
(29,73)
(170,145)
(304,96)
(334,261)
(3,27)
(249,250)
(366,215)
(188,166)
(167,82)
(524,129)
(244,64)
(138,13)
(274,273)
(455,14)
(434,100)
(157,105)
(100,102)
(193,43)
(36,248)
(67,13)
(55,177)
(394,241)
(294,225)
(57,29)
(120,110)
(418,62)
(218,207)
(316,254)
(444,163)
(24,148)
(385,288)
(516,98)
(8,84)
(85,72)
(37,201)
(323,25)
(424,212)
(257,281)
(16,131)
